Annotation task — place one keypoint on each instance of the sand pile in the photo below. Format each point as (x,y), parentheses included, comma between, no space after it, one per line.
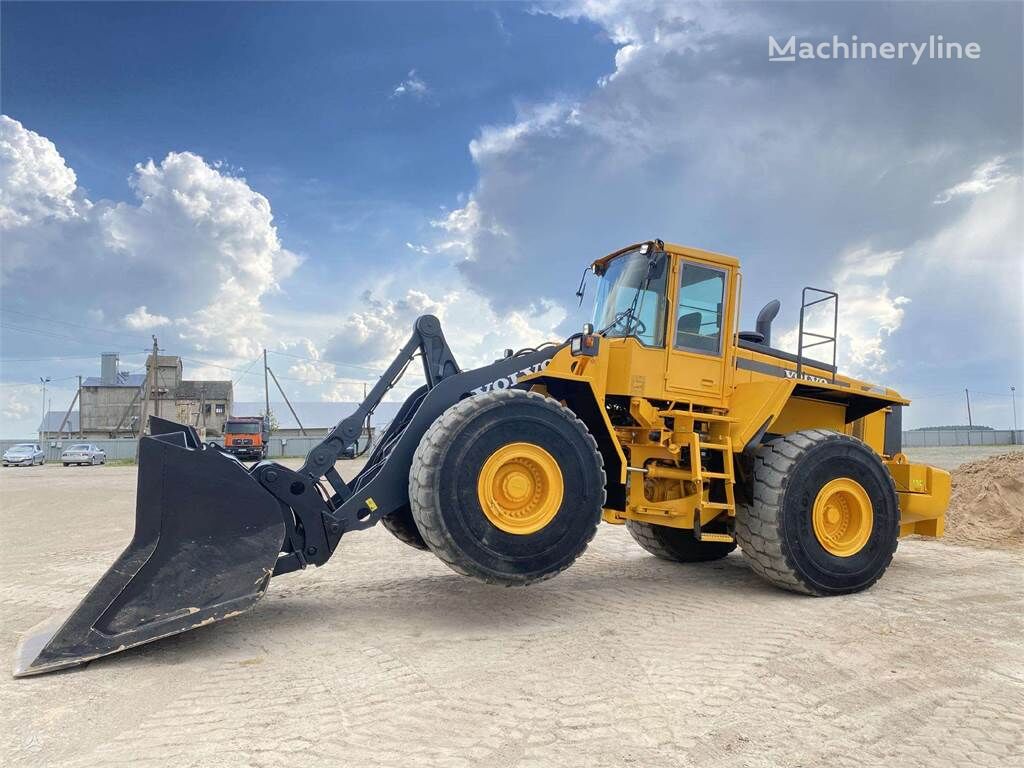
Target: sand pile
(987,504)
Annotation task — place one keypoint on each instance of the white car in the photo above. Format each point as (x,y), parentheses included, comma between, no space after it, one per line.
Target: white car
(24,454)
(83,453)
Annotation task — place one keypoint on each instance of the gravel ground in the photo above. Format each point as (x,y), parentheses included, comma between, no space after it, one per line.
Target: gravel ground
(385,657)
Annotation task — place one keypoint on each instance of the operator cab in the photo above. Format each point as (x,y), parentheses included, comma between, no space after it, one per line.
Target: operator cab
(680,304)
(677,304)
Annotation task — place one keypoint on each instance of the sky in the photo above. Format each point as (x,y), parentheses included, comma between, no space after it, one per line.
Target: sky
(308,178)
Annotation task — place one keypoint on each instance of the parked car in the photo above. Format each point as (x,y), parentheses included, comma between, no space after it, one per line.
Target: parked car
(24,454)
(83,453)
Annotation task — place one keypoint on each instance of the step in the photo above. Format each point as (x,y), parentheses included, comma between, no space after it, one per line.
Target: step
(723,538)
(716,446)
(698,416)
(716,475)
(716,505)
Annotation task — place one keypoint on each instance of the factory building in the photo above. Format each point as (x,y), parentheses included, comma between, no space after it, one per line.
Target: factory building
(111,404)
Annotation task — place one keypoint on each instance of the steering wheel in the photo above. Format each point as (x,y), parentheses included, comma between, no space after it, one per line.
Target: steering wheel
(629,321)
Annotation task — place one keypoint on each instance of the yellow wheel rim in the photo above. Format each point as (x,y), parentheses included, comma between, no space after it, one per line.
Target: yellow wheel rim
(842,517)
(520,488)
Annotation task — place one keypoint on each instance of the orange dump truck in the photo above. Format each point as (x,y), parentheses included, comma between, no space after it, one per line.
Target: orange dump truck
(246,437)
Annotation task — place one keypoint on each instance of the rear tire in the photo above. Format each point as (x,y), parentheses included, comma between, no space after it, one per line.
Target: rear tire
(676,544)
(556,487)
(401,525)
(779,531)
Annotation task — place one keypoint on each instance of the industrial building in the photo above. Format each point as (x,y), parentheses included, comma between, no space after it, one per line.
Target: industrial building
(110,406)
(114,403)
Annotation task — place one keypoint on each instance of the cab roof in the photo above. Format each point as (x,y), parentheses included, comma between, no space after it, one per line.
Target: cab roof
(679,250)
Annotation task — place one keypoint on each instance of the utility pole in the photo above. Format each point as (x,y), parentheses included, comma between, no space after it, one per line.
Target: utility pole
(147,391)
(67,417)
(266,388)
(81,434)
(970,422)
(288,402)
(156,382)
(1013,399)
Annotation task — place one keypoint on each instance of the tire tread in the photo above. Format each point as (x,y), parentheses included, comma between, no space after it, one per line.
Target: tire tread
(759,526)
(425,467)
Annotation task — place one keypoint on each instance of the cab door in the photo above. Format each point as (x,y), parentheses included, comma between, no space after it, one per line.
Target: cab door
(699,328)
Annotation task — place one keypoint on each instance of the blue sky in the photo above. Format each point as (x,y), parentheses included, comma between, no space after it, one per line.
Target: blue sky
(310,177)
(298,97)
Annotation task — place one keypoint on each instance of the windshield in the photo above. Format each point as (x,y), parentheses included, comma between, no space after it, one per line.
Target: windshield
(242,428)
(23,448)
(627,304)
(81,447)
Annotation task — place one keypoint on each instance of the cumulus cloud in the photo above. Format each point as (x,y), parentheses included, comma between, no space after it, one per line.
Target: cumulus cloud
(985,177)
(535,119)
(376,333)
(305,363)
(142,320)
(17,402)
(413,85)
(476,333)
(868,313)
(35,182)
(197,242)
(695,138)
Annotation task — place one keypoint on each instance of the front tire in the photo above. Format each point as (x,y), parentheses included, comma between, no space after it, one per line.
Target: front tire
(507,487)
(825,516)
(676,544)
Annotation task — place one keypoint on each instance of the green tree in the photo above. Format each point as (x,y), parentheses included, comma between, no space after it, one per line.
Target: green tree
(273,425)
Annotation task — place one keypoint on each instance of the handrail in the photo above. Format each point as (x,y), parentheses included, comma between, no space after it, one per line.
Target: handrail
(822,338)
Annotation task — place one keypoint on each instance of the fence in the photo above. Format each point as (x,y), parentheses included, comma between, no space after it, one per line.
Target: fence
(935,438)
(285,447)
(279,447)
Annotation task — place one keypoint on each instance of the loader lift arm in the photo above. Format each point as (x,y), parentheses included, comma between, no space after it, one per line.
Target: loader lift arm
(210,532)
(321,515)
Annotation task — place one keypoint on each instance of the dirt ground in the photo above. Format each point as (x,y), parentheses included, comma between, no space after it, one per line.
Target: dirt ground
(385,657)
(951,458)
(986,507)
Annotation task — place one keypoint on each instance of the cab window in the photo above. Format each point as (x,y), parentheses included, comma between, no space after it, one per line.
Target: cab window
(631,298)
(699,320)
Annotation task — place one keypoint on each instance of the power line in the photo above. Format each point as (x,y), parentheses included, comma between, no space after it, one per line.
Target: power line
(375,371)
(249,368)
(68,323)
(243,371)
(65,357)
(32,383)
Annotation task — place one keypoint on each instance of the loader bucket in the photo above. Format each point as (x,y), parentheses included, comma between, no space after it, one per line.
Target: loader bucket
(206,538)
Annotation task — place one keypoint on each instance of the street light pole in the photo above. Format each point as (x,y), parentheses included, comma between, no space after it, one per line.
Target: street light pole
(1013,399)
(42,424)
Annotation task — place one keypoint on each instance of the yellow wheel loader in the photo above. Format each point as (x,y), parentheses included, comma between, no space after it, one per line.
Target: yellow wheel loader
(660,416)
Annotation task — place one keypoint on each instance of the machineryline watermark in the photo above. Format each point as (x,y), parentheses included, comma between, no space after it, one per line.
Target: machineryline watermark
(935,48)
